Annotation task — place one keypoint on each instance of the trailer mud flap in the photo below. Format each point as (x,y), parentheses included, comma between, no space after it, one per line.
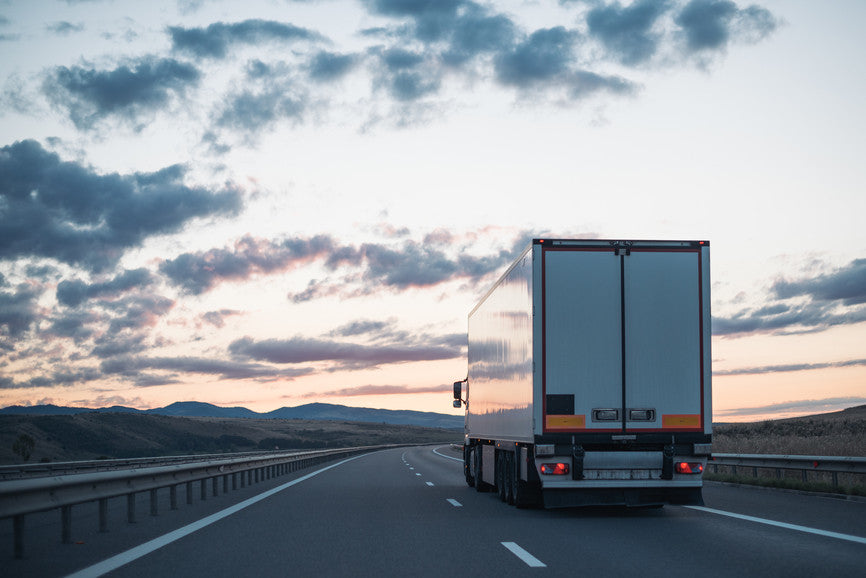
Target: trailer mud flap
(577,454)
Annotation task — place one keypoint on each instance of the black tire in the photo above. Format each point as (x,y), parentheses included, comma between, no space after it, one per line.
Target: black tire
(467,466)
(479,479)
(525,496)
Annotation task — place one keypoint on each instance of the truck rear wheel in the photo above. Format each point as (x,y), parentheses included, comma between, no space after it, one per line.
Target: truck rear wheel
(467,467)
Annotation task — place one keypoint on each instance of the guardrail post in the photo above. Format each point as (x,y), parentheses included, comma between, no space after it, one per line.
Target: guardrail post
(835,479)
(153,503)
(66,524)
(172,496)
(225,483)
(103,515)
(215,482)
(234,481)
(130,508)
(189,492)
(18,539)
(243,476)
(203,489)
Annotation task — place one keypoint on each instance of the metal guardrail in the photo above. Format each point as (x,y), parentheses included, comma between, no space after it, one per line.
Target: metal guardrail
(23,496)
(835,465)
(19,471)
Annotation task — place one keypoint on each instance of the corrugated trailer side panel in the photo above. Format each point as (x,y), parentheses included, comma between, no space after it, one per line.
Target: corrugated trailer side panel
(500,384)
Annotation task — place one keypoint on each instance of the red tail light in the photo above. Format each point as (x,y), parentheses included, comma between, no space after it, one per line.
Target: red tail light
(558,469)
(689,468)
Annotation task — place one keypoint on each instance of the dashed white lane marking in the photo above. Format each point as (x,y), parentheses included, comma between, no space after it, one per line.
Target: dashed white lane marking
(133,554)
(429,483)
(454,503)
(806,529)
(528,558)
(417,474)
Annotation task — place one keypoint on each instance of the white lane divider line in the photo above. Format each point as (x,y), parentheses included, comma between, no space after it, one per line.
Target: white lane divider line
(454,503)
(430,483)
(806,529)
(417,474)
(528,558)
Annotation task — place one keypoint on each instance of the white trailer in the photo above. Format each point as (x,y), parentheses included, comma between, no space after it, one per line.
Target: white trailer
(589,375)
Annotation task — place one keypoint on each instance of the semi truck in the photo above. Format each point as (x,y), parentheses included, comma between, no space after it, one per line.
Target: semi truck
(589,375)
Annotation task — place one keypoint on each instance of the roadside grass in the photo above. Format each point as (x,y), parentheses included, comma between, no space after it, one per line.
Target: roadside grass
(833,434)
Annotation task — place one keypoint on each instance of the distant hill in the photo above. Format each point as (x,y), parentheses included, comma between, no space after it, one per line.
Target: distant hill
(310,411)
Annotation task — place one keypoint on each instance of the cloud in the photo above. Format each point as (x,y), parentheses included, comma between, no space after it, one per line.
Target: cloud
(327,66)
(351,355)
(66,211)
(133,368)
(711,24)
(846,284)
(64,28)
(199,272)
(371,265)
(809,304)
(363,390)
(217,318)
(789,367)
(545,60)
(18,311)
(148,84)
(629,32)
(74,293)
(800,406)
(217,39)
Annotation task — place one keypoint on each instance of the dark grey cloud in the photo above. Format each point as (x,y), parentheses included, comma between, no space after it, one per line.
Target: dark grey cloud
(75,292)
(846,285)
(712,24)
(68,212)
(196,273)
(18,310)
(808,304)
(803,405)
(363,390)
(629,32)
(145,85)
(344,355)
(137,311)
(790,367)
(64,28)
(216,40)
(134,368)
(327,66)
(75,325)
(113,345)
(544,56)
(372,265)
(217,318)
(251,111)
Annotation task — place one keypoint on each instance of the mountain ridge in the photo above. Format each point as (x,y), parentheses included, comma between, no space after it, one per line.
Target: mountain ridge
(313,411)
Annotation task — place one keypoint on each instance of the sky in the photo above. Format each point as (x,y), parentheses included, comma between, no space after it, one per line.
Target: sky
(278,202)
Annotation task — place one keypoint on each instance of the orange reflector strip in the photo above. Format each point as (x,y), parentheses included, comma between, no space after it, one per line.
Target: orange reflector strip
(565,421)
(681,420)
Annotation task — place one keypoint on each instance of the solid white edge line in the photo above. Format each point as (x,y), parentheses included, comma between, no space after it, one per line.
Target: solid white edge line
(444,456)
(133,554)
(528,558)
(787,526)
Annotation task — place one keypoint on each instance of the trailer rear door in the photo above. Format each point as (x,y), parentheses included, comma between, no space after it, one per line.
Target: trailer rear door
(623,343)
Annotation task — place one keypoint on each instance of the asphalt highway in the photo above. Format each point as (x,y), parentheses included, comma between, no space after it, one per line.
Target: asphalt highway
(408,512)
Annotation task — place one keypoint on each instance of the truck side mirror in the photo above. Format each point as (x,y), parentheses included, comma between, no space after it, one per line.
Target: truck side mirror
(457,403)
(458,391)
